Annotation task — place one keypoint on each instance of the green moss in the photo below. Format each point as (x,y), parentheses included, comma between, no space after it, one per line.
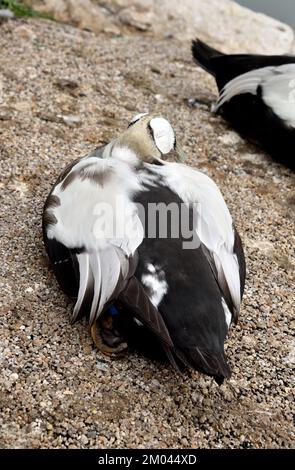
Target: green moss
(20,9)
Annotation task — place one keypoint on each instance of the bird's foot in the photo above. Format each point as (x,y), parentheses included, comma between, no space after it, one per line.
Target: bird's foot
(106,338)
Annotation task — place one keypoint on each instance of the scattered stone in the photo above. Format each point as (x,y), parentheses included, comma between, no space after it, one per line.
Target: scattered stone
(70,120)
(5,115)
(5,14)
(230,138)
(139,20)
(102,366)
(67,84)
(24,32)
(84,440)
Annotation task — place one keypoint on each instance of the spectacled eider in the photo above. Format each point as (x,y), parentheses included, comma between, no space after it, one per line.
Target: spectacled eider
(146,245)
(256,95)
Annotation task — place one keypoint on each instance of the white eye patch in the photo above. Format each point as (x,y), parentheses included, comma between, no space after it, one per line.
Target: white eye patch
(163,134)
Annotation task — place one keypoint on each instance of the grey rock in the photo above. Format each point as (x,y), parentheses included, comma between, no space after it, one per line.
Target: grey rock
(6,14)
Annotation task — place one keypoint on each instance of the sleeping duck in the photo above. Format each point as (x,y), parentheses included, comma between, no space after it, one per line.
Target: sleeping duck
(256,95)
(147,248)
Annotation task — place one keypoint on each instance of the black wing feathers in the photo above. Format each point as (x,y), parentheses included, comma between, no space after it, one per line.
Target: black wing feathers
(225,67)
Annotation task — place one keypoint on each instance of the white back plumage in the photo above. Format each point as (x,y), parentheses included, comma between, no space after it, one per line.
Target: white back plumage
(215,225)
(108,232)
(278,89)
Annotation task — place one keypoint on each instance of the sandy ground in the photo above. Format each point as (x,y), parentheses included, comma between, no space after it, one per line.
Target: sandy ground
(55,389)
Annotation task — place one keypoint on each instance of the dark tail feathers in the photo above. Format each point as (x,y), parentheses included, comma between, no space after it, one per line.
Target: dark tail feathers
(214,365)
(203,55)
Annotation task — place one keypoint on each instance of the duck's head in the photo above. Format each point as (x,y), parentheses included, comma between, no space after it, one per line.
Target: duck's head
(151,138)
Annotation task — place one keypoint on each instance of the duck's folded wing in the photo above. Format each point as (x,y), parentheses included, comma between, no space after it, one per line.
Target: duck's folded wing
(278,92)
(275,85)
(214,227)
(245,83)
(138,303)
(135,297)
(92,231)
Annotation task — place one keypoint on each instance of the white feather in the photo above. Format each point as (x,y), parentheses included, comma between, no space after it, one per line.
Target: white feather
(279,93)
(83,260)
(227,314)
(156,285)
(89,216)
(215,225)
(97,276)
(125,155)
(138,117)
(227,265)
(151,268)
(102,220)
(278,89)
(106,270)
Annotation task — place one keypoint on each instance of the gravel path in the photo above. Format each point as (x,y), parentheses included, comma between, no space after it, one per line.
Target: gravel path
(55,389)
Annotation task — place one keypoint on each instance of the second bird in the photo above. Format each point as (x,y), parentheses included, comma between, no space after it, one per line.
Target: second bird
(256,95)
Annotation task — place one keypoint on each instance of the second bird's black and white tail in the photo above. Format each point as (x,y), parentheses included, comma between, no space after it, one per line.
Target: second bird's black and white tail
(203,55)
